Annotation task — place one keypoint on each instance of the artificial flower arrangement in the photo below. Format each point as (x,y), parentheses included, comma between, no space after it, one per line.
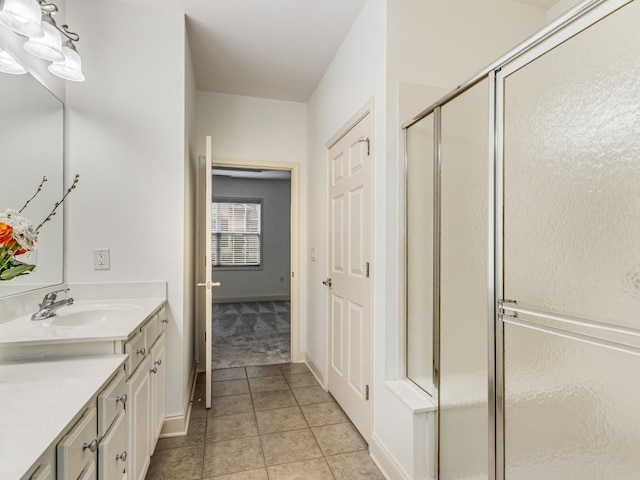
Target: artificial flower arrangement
(18,235)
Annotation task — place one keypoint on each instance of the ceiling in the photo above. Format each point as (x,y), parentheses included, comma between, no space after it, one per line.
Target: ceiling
(263,48)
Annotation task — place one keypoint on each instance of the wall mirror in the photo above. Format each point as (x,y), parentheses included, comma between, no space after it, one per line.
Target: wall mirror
(31,147)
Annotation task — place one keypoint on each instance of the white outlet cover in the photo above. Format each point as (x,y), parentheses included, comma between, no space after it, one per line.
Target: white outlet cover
(101,259)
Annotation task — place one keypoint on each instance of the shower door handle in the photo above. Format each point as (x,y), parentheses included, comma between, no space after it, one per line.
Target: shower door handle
(208,285)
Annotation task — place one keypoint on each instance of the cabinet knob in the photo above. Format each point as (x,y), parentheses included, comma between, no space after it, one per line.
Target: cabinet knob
(122,456)
(123,399)
(165,320)
(154,370)
(141,351)
(158,362)
(92,447)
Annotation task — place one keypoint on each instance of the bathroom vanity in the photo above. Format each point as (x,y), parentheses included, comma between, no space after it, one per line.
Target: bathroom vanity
(83,392)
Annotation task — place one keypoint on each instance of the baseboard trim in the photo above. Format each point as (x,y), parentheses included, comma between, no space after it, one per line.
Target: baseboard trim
(385,461)
(251,298)
(317,371)
(178,425)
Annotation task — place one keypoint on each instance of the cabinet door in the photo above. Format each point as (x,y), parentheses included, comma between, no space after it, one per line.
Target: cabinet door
(158,376)
(112,451)
(139,414)
(78,448)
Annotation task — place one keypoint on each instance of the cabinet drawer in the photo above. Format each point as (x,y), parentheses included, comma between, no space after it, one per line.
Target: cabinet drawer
(163,319)
(44,472)
(77,449)
(89,472)
(111,402)
(136,350)
(112,452)
(151,331)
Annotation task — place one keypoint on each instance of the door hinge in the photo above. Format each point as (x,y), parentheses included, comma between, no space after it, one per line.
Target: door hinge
(293,274)
(368,145)
(205,336)
(366,392)
(367,270)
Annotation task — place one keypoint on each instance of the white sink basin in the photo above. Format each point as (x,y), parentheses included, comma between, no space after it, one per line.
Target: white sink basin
(73,316)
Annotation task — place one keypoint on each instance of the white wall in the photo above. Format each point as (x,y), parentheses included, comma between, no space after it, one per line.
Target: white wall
(562,6)
(126,139)
(190,175)
(273,277)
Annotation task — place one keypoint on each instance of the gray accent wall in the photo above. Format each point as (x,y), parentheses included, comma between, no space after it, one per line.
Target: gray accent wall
(273,279)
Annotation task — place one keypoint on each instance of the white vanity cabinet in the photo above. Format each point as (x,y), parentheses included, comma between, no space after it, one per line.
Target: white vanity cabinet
(77,450)
(146,393)
(157,386)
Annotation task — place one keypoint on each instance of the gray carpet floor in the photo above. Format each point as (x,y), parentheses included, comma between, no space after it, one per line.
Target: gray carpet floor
(251,333)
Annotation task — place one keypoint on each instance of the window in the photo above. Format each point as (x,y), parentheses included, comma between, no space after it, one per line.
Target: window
(235,236)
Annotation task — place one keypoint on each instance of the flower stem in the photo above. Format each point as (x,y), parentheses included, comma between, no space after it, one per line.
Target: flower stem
(44,179)
(57,204)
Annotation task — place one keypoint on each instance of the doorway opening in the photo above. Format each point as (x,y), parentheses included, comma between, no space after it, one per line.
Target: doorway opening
(251,225)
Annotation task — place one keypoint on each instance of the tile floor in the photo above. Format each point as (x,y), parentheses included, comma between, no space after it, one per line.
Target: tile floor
(270,422)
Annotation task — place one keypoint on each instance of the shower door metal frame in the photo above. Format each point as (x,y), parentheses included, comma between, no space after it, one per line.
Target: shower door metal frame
(571,23)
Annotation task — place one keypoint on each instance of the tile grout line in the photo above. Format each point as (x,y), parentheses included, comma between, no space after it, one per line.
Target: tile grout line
(310,429)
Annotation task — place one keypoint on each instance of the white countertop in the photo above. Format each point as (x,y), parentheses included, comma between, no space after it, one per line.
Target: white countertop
(37,402)
(123,316)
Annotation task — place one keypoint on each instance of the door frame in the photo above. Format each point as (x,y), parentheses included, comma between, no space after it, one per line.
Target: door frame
(366,109)
(294,168)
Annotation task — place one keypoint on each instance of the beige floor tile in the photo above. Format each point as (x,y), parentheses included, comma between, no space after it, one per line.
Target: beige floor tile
(316,469)
(265,384)
(287,447)
(309,395)
(194,436)
(263,371)
(354,466)
(230,405)
(176,464)
(229,387)
(340,438)
(280,420)
(259,474)
(294,369)
(273,399)
(319,414)
(302,380)
(232,456)
(237,373)
(198,409)
(229,427)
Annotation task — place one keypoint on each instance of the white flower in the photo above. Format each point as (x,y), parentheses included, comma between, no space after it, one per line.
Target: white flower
(23,230)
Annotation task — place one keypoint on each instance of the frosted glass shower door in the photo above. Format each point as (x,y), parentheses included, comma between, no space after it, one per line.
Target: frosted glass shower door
(464,309)
(572,257)
(420,168)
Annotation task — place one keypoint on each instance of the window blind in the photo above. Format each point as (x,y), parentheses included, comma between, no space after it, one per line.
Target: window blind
(235,236)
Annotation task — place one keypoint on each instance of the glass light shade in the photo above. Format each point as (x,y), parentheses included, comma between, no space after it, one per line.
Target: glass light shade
(23,17)
(71,67)
(48,47)
(8,64)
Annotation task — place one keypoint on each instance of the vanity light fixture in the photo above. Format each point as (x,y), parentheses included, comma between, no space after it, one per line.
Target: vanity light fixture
(46,39)
(22,16)
(8,64)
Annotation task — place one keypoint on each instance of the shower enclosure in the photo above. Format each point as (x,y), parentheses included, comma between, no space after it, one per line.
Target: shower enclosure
(534,283)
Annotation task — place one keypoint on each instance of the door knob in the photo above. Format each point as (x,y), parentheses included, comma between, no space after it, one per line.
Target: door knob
(327,282)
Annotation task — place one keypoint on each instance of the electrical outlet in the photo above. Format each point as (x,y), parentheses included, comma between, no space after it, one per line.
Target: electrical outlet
(101,259)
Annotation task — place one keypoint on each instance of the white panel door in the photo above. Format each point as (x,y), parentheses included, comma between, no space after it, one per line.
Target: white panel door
(205,273)
(350,239)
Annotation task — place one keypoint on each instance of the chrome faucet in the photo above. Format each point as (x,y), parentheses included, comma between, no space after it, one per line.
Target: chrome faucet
(49,306)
